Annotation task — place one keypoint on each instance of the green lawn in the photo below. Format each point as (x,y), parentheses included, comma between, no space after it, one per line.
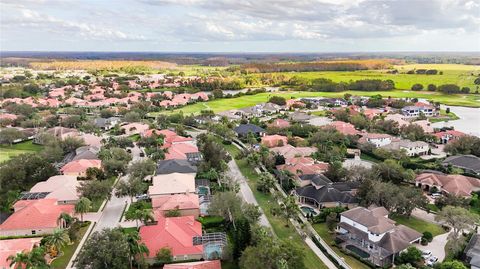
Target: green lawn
(7,152)
(444,116)
(419,225)
(62,261)
(469,100)
(279,224)
(323,232)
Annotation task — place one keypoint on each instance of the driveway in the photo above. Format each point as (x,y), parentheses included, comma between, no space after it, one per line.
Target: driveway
(245,191)
(437,246)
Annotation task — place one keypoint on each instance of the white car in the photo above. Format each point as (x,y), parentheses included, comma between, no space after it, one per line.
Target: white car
(433,260)
(436,195)
(426,254)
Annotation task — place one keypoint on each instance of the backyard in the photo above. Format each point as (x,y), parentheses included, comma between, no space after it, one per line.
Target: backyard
(7,152)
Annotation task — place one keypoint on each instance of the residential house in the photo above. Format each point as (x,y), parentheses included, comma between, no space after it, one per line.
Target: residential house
(213,264)
(175,233)
(299,116)
(303,166)
(79,167)
(457,185)
(344,127)
(288,151)
(86,152)
(411,148)
(174,183)
(426,126)
(10,247)
(449,135)
(319,121)
(418,109)
(91,140)
(183,151)
(321,192)
(35,217)
(271,141)
(62,188)
(108,123)
(472,252)
(175,166)
(134,128)
(242,130)
(378,140)
(187,204)
(398,118)
(294,103)
(370,231)
(469,163)
(279,123)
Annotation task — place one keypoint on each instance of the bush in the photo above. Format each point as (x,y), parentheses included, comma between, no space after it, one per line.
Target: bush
(427,236)
(211,221)
(417,87)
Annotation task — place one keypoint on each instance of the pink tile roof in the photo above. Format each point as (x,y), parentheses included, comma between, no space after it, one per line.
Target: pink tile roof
(344,127)
(8,116)
(279,123)
(453,184)
(304,169)
(182,201)
(176,233)
(274,140)
(179,151)
(13,246)
(35,214)
(294,102)
(289,151)
(215,264)
(80,166)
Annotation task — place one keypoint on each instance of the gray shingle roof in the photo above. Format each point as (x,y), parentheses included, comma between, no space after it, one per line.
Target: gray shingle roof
(175,166)
(244,129)
(470,162)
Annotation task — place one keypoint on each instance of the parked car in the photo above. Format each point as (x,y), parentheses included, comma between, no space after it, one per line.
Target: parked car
(142,154)
(142,197)
(436,195)
(432,261)
(426,254)
(129,150)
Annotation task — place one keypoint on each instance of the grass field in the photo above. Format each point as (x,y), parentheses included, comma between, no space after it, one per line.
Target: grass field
(419,225)
(462,75)
(7,152)
(278,224)
(469,100)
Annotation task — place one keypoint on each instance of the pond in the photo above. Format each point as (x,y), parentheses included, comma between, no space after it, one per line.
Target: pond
(468,123)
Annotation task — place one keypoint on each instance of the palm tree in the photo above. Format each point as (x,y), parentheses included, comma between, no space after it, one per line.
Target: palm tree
(135,247)
(143,215)
(65,220)
(83,206)
(57,240)
(34,259)
(289,207)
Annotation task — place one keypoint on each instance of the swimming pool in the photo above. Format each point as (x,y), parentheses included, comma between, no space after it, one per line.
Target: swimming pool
(212,250)
(308,210)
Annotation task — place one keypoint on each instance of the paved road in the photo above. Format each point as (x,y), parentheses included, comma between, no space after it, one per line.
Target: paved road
(245,190)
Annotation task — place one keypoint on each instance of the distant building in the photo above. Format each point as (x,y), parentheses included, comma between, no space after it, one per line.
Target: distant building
(417,109)
(411,148)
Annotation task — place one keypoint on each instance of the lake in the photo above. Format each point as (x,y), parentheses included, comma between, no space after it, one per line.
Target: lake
(468,123)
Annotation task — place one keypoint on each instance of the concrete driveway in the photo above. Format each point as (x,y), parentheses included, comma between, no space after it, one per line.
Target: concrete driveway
(437,246)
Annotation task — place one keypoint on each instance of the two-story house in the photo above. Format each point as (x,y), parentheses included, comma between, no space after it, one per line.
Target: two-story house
(370,234)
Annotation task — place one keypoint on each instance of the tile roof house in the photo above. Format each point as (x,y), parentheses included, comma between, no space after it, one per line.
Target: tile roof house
(108,123)
(214,264)
(134,128)
(188,204)
(174,183)
(458,185)
(42,216)
(175,166)
(419,108)
(279,123)
(13,246)
(288,151)
(86,152)
(244,129)
(299,116)
(271,141)
(426,126)
(447,136)
(304,169)
(344,127)
(91,140)
(371,231)
(180,151)
(176,233)
(62,188)
(378,140)
(79,167)
(469,163)
(320,192)
(411,148)
(398,118)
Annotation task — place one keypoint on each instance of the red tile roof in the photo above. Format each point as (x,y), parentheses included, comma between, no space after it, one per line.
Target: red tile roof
(274,140)
(176,233)
(35,214)
(344,127)
(179,151)
(80,166)
(215,264)
(279,123)
(14,246)
(182,201)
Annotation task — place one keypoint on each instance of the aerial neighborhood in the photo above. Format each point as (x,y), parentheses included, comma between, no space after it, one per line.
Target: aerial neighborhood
(121,168)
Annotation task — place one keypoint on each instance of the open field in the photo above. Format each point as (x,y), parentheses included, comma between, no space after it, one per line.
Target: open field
(7,152)
(469,100)
(462,75)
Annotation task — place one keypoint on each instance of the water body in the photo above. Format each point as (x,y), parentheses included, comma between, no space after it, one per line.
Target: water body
(468,123)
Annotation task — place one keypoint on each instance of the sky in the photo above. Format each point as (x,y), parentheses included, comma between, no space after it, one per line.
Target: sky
(240,25)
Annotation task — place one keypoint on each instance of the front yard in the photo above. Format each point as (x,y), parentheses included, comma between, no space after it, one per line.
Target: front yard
(62,261)
(418,224)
